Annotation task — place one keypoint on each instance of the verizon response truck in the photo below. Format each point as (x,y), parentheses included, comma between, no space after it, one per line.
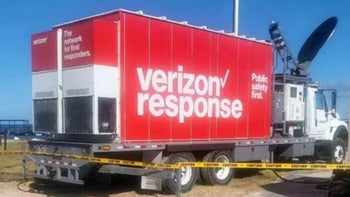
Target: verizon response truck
(130,86)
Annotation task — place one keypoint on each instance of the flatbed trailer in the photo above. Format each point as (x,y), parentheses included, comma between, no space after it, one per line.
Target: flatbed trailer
(128,86)
(338,184)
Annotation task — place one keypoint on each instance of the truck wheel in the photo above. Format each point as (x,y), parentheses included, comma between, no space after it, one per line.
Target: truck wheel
(338,151)
(188,174)
(217,176)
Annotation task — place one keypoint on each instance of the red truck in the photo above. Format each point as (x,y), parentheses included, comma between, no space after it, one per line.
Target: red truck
(127,85)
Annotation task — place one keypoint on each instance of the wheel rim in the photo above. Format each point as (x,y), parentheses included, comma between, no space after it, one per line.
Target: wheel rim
(186,174)
(338,153)
(222,173)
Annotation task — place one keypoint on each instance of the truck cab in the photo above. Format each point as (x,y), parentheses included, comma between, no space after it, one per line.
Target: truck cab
(309,112)
(325,125)
(300,107)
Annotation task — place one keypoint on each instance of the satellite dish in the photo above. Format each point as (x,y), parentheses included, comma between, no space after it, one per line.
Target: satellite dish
(314,43)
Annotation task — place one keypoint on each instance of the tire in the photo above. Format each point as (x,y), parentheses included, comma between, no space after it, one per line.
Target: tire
(338,151)
(217,176)
(188,174)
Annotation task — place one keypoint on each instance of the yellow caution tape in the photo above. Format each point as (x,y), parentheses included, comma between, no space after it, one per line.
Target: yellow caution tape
(293,166)
(268,165)
(11,153)
(109,161)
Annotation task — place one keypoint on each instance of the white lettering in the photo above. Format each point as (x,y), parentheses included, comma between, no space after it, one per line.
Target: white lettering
(236,108)
(201,107)
(223,81)
(259,78)
(156,106)
(144,81)
(72,48)
(179,80)
(201,79)
(171,78)
(159,81)
(225,108)
(186,108)
(141,98)
(188,87)
(214,82)
(188,95)
(213,104)
(39,41)
(259,86)
(172,109)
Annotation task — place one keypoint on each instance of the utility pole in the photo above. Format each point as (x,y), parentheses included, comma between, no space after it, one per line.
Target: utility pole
(235,16)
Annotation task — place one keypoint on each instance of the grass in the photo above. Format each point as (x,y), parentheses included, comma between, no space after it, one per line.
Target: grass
(246,180)
(11,165)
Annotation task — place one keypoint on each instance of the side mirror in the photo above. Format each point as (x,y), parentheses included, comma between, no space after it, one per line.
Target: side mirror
(334,101)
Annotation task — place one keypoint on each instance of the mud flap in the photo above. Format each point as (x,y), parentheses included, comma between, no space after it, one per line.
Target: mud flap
(151,183)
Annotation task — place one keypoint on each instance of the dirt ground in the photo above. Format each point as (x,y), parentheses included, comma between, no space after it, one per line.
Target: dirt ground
(247,182)
(260,184)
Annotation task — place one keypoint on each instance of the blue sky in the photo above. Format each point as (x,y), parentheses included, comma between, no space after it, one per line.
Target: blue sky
(298,18)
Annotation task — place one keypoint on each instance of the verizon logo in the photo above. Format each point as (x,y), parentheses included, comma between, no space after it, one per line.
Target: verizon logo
(183,95)
(39,41)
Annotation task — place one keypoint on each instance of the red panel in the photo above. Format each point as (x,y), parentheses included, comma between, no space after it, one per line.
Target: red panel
(227,71)
(135,54)
(244,86)
(201,68)
(105,43)
(214,71)
(260,91)
(181,55)
(44,51)
(77,44)
(160,58)
(160,61)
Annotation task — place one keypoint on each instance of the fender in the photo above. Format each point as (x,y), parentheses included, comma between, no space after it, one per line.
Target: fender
(342,133)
